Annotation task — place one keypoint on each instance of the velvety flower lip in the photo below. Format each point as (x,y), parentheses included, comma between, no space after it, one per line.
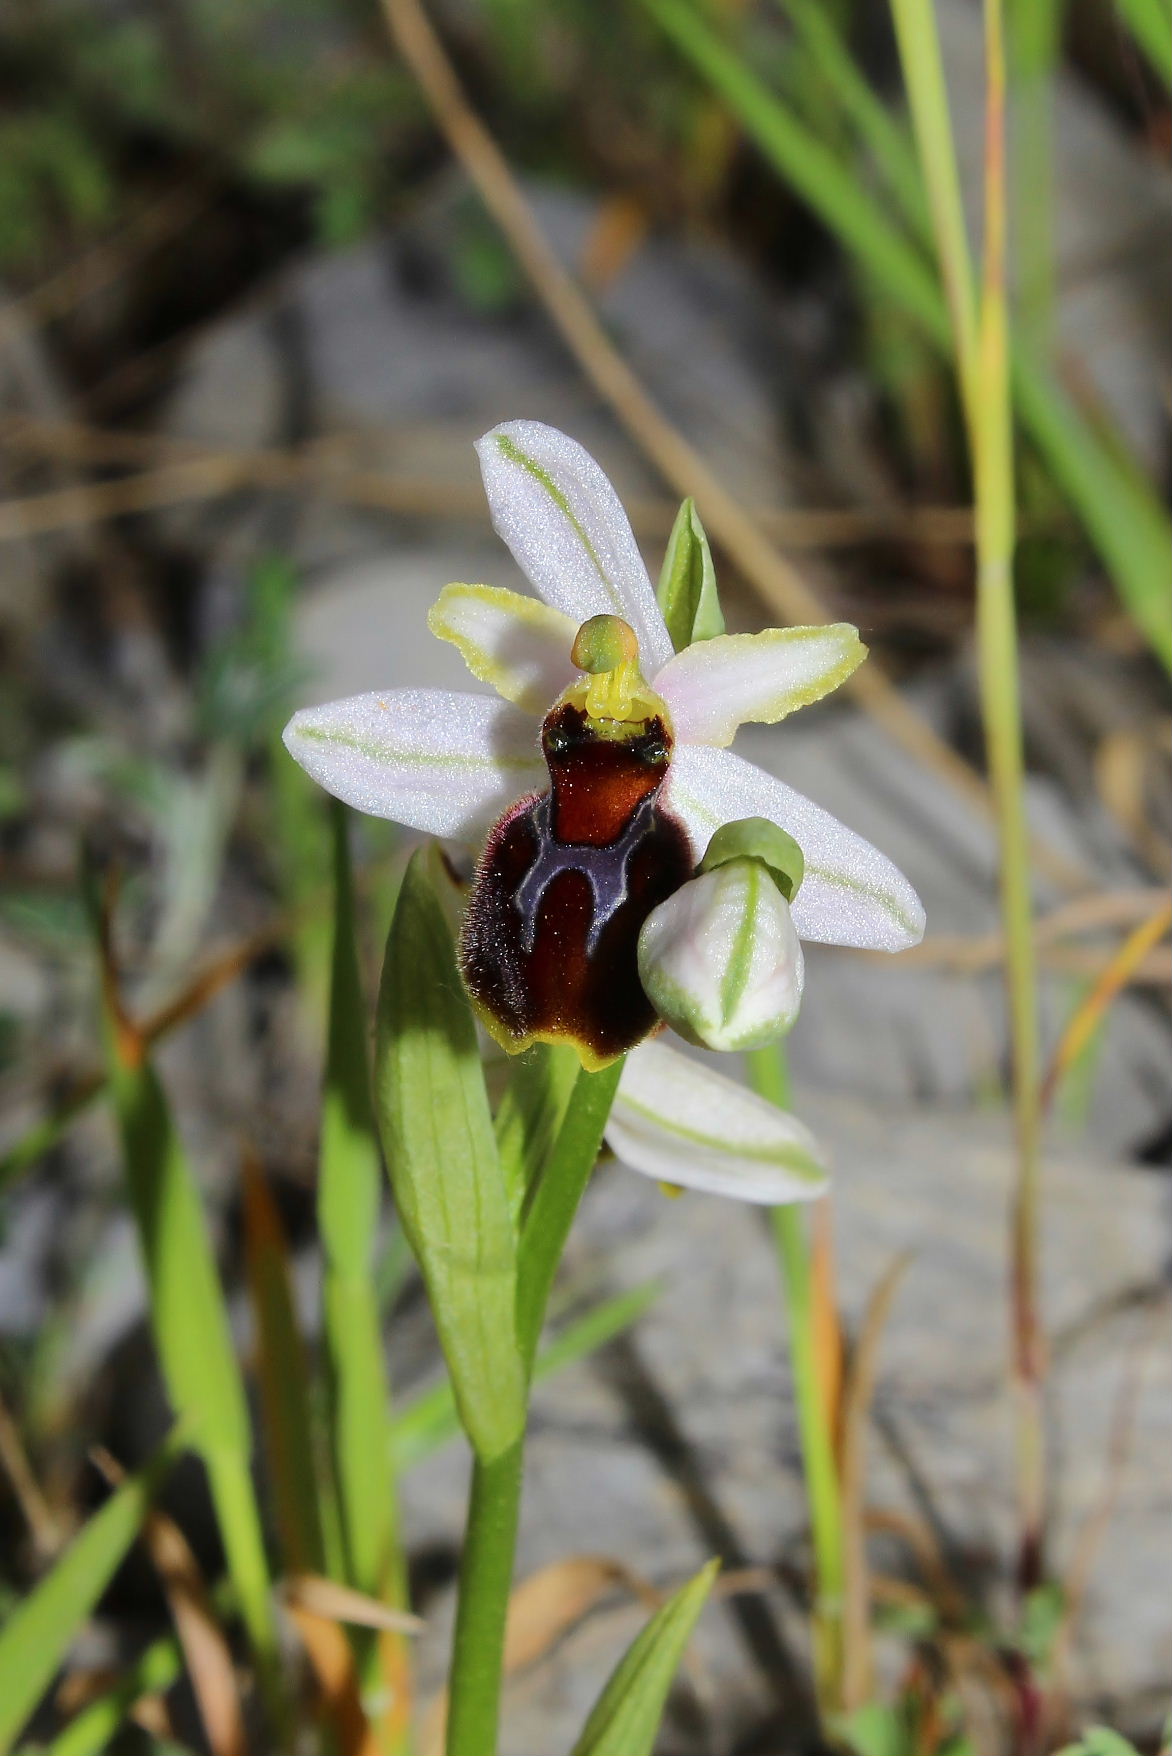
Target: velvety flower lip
(449,763)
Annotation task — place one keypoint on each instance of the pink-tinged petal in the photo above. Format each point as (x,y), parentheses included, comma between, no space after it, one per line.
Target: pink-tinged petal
(431,759)
(678,1120)
(519,646)
(556,510)
(851,893)
(717,685)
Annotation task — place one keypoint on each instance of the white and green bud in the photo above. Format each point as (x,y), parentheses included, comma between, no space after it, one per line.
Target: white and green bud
(720,960)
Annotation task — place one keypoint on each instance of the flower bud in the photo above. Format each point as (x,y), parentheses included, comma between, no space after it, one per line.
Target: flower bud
(720,960)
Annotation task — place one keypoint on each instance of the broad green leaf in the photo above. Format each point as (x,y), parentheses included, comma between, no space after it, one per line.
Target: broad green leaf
(430,1419)
(626,1717)
(444,1167)
(687,582)
(349,1188)
(38,1634)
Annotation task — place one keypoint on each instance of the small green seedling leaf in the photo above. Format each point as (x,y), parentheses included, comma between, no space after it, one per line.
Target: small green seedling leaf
(626,1717)
(444,1167)
(38,1634)
(687,582)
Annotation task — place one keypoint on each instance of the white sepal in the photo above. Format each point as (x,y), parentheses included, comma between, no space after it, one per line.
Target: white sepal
(717,685)
(851,894)
(676,1120)
(556,510)
(517,644)
(720,960)
(432,759)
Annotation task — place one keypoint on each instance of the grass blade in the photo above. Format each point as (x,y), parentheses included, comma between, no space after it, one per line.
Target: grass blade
(626,1717)
(1150,23)
(430,1421)
(188,1313)
(37,1635)
(283,1377)
(349,1192)
(1119,509)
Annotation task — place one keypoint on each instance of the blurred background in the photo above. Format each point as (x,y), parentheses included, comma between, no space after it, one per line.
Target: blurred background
(254,315)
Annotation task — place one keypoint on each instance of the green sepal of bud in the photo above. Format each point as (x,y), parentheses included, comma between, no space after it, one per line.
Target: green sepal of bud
(756,838)
(687,583)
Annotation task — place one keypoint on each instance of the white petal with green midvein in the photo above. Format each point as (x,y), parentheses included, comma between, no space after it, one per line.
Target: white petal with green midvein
(431,759)
(676,1120)
(717,685)
(518,645)
(851,893)
(556,510)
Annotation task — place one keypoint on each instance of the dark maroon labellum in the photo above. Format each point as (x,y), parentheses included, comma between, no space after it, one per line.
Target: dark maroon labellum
(563,888)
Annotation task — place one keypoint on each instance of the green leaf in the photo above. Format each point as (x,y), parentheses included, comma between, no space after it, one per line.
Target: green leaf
(756,838)
(189,1315)
(430,1420)
(687,582)
(1100,1741)
(550,1212)
(37,1635)
(531,1113)
(444,1167)
(349,1188)
(626,1717)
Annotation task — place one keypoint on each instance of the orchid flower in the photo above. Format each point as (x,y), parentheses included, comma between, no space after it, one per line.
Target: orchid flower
(589,827)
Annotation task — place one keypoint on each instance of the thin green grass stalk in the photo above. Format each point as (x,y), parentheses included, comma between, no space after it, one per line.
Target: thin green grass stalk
(769,1076)
(1121,512)
(349,1196)
(1001,708)
(884,136)
(927,93)
(1035,28)
(283,1374)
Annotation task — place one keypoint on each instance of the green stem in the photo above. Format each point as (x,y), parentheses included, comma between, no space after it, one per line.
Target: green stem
(486,1566)
(769,1077)
(486,1578)
(1001,709)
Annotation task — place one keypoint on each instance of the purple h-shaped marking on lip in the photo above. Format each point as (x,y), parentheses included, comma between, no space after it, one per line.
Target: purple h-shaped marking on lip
(605,869)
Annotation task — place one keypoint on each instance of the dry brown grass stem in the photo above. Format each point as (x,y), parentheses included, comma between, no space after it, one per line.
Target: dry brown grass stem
(43,1525)
(192,472)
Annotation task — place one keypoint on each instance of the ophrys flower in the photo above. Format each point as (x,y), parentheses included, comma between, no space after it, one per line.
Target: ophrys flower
(453,764)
